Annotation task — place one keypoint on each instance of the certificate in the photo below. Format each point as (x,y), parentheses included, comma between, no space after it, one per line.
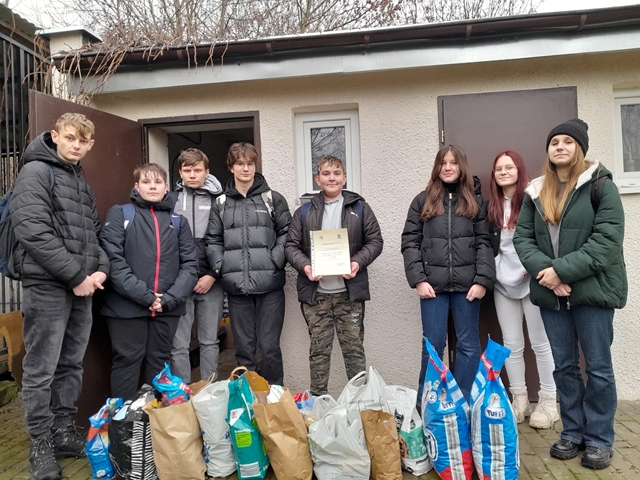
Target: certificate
(330,252)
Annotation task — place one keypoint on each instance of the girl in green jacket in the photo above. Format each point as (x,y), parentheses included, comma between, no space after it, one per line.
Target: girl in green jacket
(569,238)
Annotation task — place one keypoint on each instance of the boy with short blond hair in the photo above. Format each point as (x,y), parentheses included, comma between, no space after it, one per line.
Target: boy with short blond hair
(334,302)
(153,271)
(61,264)
(197,190)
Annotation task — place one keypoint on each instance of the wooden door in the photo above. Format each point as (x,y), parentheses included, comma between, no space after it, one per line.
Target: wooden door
(486,124)
(108,168)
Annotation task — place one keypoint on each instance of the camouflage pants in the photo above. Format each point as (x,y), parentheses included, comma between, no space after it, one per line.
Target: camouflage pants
(334,312)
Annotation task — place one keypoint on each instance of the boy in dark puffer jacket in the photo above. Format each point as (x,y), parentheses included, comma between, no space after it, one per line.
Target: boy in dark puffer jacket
(61,264)
(334,302)
(153,270)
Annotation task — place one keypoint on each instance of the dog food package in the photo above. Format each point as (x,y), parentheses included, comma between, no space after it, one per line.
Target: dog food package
(445,417)
(494,431)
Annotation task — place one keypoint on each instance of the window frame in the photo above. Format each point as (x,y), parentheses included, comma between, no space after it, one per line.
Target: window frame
(627,182)
(304,122)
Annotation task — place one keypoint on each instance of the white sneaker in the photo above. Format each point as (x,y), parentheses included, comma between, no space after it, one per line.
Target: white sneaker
(546,412)
(520,404)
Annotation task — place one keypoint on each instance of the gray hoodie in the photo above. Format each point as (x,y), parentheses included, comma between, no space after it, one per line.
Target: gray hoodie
(195,205)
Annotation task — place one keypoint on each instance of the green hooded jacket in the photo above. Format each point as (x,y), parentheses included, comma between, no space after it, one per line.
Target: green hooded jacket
(590,258)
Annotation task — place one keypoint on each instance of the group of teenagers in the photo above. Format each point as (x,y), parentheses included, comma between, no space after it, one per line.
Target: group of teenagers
(551,250)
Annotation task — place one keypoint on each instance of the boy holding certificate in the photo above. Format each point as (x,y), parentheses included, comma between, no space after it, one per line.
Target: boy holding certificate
(334,302)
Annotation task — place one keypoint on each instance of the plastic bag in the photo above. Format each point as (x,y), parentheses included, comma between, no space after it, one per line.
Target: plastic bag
(494,430)
(338,447)
(130,446)
(97,446)
(364,389)
(321,406)
(243,430)
(445,415)
(413,450)
(211,404)
(174,390)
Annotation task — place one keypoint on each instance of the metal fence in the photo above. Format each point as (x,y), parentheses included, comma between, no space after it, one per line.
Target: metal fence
(20,71)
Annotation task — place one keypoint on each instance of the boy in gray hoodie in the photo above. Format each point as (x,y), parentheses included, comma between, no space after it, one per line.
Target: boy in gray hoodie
(197,191)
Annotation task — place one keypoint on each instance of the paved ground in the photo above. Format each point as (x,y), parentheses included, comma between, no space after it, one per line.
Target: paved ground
(534,451)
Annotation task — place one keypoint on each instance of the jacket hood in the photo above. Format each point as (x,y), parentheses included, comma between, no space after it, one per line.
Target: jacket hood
(211,185)
(259,185)
(594,172)
(42,149)
(166,203)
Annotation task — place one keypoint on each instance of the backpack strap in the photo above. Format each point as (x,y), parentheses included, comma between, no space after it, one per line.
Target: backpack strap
(129,211)
(220,201)
(52,177)
(596,192)
(267,198)
(304,211)
(175,220)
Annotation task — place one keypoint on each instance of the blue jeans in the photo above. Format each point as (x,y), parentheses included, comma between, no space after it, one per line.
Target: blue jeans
(56,331)
(586,410)
(256,323)
(207,309)
(435,315)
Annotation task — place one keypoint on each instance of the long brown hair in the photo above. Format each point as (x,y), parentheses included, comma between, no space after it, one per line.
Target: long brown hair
(467,205)
(496,200)
(549,194)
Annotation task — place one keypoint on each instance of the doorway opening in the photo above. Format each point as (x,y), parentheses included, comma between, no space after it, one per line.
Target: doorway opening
(165,138)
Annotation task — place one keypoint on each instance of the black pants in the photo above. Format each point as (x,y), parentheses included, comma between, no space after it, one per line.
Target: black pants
(256,323)
(138,340)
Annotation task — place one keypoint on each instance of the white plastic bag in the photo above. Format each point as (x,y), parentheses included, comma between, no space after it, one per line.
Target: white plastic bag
(402,402)
(365,389)
(322,405)
(338,447)
(210,404)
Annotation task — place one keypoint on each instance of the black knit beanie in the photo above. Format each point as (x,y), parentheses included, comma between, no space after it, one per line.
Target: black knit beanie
(576,129)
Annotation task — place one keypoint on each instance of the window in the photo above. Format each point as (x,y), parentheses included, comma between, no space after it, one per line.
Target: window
(627,140)
(327,133)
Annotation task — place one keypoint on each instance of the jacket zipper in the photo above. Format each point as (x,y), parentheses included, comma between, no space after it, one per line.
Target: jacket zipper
(156,280)
(450,253)
(245,213)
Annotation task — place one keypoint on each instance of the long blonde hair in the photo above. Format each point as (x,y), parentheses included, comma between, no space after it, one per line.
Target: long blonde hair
(551,206)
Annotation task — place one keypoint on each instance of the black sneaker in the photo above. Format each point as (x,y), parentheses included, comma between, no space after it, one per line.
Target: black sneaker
(42,463)
(565,449)
(68,442)
(596,458)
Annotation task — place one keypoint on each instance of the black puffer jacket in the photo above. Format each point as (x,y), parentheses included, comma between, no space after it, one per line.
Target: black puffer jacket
(56,228)
(246,245)
(136,270)
(365,244)
(450,252)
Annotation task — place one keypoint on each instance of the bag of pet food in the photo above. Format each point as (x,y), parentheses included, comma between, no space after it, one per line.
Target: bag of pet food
(445,416)
(494,430)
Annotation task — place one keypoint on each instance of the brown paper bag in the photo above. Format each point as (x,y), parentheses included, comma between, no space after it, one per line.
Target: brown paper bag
(176,441)
(382,442)
(285,436)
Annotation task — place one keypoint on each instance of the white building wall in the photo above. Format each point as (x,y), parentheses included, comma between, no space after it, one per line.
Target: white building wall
(399,140)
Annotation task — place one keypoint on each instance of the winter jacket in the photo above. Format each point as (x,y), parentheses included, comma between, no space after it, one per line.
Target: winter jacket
(138,270)
(246,244)
(195,205)
(450,252)
(56,228)
(365,244)
(590,258)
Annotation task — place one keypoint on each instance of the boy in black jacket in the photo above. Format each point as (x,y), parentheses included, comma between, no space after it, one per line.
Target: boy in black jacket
(153,270)
(61,264)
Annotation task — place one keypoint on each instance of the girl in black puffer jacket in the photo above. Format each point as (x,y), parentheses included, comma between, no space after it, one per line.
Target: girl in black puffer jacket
(448,259)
